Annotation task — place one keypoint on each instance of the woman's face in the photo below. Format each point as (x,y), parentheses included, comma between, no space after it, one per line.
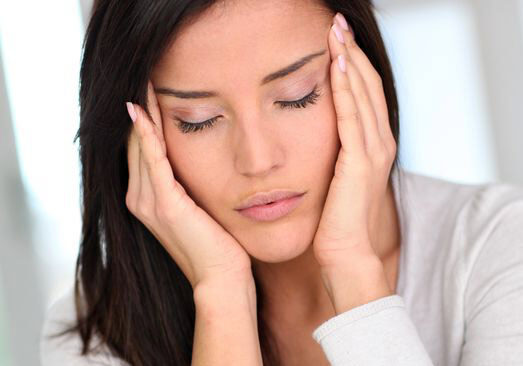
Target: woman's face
(255,144)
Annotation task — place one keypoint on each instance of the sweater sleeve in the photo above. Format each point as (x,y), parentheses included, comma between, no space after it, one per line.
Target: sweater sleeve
(377,333)
(494,293)
(65,350)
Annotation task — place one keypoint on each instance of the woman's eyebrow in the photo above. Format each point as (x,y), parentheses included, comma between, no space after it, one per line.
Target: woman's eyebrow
(199,94)
(292,67)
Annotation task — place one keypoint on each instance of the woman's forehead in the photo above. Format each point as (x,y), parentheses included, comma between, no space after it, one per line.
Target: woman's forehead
(260,35)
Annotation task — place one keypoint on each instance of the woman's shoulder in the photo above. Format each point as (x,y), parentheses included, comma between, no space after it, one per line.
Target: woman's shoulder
(66,349)
(473,205)
(471,235)
(467,226)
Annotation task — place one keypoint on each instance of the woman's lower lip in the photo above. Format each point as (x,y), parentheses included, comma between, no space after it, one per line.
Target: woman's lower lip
(272,211)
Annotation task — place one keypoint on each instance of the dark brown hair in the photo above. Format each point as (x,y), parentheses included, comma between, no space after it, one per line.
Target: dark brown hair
(128,289)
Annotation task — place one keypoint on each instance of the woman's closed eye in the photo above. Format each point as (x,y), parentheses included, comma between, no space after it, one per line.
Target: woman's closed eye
(311,98)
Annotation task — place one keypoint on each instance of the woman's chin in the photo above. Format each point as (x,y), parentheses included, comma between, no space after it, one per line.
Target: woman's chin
(277,247)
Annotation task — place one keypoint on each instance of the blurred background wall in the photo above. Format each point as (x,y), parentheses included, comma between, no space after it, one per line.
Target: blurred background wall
(458,71)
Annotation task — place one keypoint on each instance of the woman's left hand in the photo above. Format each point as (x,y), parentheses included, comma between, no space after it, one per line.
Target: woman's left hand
(343,244)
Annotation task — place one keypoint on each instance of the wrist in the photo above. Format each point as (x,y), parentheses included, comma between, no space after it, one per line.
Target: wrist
(225,293)
(355,282)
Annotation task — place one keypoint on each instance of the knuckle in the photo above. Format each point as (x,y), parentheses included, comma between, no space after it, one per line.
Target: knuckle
(341,91)
(376,77)
(353,117)
(351,44)
(391,146)
(130,202)
(148,135)
(361,94)
(143,209)
(150,166)
(153,164)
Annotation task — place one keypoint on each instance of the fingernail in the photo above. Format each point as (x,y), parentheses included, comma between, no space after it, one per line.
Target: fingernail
(337,32)
(341,63)
(341,21)
(132,112)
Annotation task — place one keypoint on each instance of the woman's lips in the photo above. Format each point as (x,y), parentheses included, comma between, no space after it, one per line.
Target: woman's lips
(272,211)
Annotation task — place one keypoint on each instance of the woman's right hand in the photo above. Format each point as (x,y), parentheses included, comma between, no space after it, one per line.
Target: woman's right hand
(200,246)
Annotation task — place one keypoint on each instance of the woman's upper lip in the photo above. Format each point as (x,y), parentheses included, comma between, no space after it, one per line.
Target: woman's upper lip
(262,198)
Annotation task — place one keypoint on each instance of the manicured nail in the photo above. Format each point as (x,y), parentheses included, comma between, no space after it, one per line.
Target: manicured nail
(338,33)
(341,63)
(341,21)
(132,112)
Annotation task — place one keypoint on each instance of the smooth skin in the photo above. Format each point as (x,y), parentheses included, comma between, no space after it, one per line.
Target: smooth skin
(343,242)
(346,244)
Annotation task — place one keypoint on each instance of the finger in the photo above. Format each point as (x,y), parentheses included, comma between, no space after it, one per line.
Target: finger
(146,190)
(372,79)
(373,141)
(133,156)
(154,109)
(155,160)
(348,115)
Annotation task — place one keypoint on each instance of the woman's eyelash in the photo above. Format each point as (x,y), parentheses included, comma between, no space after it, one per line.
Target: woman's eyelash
(311,98)
(303,102)
(187,127)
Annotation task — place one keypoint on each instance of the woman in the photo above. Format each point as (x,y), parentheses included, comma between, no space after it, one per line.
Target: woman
(285,106)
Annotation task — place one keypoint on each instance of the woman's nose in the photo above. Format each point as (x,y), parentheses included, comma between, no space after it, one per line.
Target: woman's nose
(257,150)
